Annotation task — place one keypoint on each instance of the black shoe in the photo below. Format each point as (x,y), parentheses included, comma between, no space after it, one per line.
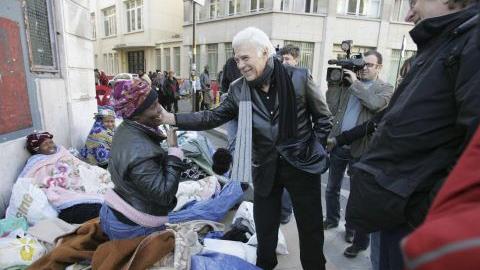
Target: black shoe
(349,236)
(352,251)
(327,225)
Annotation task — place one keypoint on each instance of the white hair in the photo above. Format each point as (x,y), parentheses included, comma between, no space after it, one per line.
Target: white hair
(254,36)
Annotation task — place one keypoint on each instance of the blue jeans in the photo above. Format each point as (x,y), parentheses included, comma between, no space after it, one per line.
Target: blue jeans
(339,159)
(115,229)
(390,253)
(375,250)
(287,208)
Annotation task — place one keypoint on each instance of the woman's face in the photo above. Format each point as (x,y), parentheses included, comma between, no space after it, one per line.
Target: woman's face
(47,147)
(109,122)
(152,116)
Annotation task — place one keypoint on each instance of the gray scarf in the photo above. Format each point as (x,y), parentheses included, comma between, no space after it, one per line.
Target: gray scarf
(242,159)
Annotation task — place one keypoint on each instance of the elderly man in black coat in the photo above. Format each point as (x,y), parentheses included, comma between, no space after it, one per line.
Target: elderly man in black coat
(283,124)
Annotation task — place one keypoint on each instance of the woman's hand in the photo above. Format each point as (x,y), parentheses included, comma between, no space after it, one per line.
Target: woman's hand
(171,136)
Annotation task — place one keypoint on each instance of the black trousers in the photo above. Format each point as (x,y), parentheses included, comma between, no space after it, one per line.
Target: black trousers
(305,192)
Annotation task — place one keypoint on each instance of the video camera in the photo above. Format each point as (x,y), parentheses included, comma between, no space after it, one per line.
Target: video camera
(354,63)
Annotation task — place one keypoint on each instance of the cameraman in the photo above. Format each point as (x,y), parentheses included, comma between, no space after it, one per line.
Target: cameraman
(352,105)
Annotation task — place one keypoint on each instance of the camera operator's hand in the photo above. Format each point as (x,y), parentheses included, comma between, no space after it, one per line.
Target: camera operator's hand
(350,75)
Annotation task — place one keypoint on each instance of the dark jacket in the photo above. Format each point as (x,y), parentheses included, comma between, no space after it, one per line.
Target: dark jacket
(170,89)
(230,74)
(306,153)
(435,110)
(367,128)
(143,174)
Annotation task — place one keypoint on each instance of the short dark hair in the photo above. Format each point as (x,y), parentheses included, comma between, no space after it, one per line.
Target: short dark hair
(290,49)
(377,54)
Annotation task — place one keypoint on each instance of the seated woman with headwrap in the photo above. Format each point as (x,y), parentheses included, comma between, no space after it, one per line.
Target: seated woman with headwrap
(74,188)
(146,177)
(99,141)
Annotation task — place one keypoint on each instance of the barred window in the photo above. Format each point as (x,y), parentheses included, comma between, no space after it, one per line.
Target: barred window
(110,21)
(40,31)
(305,59)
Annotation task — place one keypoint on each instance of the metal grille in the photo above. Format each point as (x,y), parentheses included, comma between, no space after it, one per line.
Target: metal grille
(306,53)
(39,33)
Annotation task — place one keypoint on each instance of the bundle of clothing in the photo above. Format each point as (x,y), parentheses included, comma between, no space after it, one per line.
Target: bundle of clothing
(73,188)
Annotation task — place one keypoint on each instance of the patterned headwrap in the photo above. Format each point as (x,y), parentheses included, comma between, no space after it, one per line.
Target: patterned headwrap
(104,111)
(34,141)
(132,97)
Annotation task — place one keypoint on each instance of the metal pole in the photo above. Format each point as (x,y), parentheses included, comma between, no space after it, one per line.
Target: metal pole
(194,65)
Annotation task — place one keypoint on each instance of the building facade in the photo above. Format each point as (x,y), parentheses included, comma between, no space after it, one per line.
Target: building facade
(137,35)
(46,77)
(316,26)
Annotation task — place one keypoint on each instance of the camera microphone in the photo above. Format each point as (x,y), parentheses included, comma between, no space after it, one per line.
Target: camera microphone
(332,62)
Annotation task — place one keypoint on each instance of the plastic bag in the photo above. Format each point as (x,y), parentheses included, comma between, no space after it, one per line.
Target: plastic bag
(213,209)
(218,261)
(11,224)
(234,248)
(19,251)
(29,201)
(245,211)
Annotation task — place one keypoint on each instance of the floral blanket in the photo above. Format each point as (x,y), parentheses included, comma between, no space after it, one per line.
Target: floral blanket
(66,180)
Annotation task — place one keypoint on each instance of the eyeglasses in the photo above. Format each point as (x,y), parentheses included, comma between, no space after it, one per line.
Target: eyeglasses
(370,65)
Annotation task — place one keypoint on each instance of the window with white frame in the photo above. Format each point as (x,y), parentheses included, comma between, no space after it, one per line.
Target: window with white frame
(134,15)
(109,21)
(212,55)
(214,9)
(228,50)
(257,5)
(400,10)
(395,63)
(233,7)
(166,52)
(304,6)
(176,60)
(116,66)
(367,8)
(94,26)
(158,58)
(305,59)
(40,32)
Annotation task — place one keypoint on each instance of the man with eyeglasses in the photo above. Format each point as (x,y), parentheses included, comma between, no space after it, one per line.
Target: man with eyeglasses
(366,95)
